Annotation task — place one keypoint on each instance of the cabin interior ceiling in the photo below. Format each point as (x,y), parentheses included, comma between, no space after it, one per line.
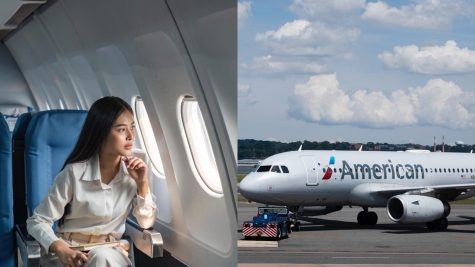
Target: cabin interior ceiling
(69,53)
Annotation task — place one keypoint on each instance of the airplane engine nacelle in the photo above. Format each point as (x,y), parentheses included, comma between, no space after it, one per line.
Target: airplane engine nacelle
(416,208)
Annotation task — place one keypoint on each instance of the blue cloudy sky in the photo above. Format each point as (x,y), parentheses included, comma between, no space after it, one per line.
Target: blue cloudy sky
(356,70)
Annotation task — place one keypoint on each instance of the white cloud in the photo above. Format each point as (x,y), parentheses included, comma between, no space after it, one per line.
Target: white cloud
(246,97)
(269,65)
(325,9)
(431,59)
(438,103)
(430,14)
(244,13)
(302,37)
(244,90)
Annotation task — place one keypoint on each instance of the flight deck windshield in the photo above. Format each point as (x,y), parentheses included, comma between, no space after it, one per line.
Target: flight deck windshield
(264,168)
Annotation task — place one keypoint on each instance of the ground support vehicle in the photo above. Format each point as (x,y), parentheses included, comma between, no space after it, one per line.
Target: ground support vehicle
(273,222)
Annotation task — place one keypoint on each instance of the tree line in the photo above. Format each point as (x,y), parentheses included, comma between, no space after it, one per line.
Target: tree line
(258,149)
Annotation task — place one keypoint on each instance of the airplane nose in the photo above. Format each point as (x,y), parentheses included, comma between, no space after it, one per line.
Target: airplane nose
(249,187)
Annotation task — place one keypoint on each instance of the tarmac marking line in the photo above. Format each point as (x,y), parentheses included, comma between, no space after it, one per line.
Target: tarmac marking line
(360,257)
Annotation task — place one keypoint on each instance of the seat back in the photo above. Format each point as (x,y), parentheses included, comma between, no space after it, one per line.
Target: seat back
(49,139)
(7,258)
(18,171)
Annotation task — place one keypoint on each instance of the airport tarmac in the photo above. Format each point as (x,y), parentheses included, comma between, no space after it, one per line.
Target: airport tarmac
(337,239)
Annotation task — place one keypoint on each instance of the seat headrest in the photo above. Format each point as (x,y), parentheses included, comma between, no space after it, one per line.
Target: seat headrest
(20,126)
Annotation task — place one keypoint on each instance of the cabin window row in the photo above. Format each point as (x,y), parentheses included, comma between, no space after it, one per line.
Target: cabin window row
(439,170)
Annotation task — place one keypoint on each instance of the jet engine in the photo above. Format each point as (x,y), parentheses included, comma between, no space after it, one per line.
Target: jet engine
(416,208)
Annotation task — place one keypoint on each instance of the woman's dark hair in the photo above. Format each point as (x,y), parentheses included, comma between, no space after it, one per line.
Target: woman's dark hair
(99,121)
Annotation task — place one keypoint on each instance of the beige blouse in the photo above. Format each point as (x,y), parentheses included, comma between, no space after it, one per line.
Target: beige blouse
(96,208)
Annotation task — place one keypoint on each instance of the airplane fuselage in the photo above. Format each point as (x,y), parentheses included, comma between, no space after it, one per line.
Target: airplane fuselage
(335,178)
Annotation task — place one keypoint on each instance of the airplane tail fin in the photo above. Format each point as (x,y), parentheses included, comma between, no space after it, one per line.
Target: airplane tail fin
(300,148)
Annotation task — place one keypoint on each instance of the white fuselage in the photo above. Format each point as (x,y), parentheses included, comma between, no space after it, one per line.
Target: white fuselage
(356,177)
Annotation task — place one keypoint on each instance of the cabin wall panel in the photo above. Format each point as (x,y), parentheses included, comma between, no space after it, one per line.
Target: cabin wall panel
(13,86)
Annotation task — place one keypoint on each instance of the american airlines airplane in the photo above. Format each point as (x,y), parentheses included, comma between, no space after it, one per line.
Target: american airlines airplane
(414,186)
(175,63)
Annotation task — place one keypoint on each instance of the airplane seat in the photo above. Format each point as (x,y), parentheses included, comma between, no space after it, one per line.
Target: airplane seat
(7,255)
(18,171)
(49,138)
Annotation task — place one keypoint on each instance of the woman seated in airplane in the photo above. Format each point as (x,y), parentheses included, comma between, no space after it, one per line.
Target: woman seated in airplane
(92,195)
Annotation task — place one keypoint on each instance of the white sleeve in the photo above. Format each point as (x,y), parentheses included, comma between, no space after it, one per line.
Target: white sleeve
(51,209)
(145,209)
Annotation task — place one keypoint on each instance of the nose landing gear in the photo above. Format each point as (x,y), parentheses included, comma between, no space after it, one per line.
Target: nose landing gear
(367,218)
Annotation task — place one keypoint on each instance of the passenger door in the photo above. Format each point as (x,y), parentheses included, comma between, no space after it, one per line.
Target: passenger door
(311,169)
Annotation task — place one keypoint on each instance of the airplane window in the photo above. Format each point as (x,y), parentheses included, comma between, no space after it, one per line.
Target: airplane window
(470,170)
(462,169)
(466,170)
(426,170)
(323,170)
(458,170)
(435,170)
(389,170)
(445,170)
(453,169)
(284,169)
(351,170)
(275,168)
(199,144)
(146,135)
(334,169)
(264,168)
(340,170)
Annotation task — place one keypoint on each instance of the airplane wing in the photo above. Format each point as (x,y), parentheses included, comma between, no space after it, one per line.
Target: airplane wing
(393,191)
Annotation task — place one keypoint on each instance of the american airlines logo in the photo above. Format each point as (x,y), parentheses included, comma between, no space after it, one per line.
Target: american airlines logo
(376,171)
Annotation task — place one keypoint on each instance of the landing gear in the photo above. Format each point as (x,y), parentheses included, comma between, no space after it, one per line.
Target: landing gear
(367,218)
(440,224)
(295,224)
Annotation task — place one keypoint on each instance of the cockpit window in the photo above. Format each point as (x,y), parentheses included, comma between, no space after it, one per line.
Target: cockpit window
(284,169)
(264,168)
(275,168)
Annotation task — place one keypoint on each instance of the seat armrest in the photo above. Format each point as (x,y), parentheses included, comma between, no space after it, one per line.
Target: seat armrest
(29,248)
(148,241)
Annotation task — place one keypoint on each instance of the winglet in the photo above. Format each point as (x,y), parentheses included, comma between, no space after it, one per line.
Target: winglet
(300,148)
(361,147)
(471,151)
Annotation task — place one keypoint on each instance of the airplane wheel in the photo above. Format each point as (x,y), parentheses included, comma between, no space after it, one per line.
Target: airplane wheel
(371,218)
(361,218)
(430,225)
(279,234)
(297,227)
(441,224)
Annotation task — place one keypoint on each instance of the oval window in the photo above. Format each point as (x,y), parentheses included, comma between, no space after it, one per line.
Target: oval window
(146,136)
(199,144)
